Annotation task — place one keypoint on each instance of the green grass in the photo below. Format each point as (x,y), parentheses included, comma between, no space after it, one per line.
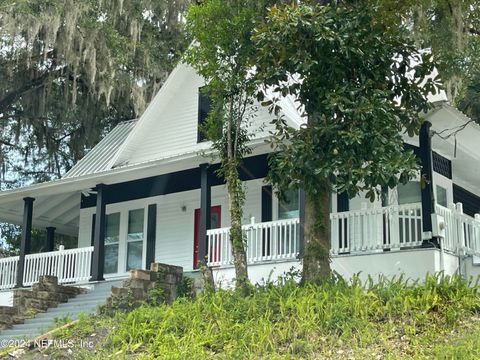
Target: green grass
(335,319)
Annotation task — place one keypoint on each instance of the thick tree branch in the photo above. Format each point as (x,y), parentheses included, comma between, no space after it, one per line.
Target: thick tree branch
(16,94)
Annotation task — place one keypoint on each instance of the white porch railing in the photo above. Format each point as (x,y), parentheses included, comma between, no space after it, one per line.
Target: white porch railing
(72,265)
(8,272)
(391,227)
(267,241)
(462,232)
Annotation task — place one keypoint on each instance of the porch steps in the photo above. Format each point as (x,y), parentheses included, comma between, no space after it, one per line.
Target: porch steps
(84,303)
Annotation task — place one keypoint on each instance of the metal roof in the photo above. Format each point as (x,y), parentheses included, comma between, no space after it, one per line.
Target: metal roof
(98,159)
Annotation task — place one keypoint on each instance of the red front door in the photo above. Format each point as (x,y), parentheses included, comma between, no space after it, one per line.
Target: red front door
(215,222)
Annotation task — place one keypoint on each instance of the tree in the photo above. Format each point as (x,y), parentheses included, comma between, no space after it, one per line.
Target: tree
(70,70)
(223,54)
(451,29)
(352,75)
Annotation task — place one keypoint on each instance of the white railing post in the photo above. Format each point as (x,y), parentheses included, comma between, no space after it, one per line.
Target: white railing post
(460,225)
(476,242)
(394,226)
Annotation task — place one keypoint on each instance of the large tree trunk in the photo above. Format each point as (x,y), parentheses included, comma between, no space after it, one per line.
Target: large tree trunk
(316,260)
(236,198)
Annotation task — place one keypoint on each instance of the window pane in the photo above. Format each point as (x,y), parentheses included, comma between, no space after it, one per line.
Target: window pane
(111,258)
(409,193)
(134,255)
(288,208)
(135,224)
(113,228)
(442,196)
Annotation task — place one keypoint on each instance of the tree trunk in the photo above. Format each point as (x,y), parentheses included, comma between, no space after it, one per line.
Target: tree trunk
(236,197)
(316,260)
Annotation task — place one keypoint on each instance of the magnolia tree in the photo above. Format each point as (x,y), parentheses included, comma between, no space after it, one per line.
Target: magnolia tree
(223,53)
(359,83)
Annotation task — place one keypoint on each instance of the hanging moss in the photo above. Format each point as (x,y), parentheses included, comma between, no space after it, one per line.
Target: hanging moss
(72,69)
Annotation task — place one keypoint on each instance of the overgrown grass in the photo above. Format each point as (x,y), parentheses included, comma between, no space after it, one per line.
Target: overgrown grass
(334,319)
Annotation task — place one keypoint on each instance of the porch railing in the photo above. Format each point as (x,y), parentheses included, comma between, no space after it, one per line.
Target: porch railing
(266,241)
(8,272)
(462,232)
(391,227)
(70,266)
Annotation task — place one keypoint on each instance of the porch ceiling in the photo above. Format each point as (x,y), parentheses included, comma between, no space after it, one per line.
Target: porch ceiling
(58,210)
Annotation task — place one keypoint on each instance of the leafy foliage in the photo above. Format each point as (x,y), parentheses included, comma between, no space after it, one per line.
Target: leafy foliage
(71,70)
(352,75)
(383,318)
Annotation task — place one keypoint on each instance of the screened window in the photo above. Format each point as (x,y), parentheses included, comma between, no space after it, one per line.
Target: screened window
(135,238)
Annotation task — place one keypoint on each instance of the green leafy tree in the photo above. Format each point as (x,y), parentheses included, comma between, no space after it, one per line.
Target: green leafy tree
(451,30)
(223,53)
(352,74)
(70,70)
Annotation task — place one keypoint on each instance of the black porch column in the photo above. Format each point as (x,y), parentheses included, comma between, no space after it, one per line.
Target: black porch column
(428,200)
(301,215)
(50,238)
(26,238)
(205,215)
(98,260)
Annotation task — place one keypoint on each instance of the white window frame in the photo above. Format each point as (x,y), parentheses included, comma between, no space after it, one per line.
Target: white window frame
(123,209)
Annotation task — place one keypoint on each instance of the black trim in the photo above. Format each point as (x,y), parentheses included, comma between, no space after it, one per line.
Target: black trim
(98,260)
(442,165)
(343,203)
(254,167)
(25,243)
(267,203)
(428,200)
(470,201)
(92,237)
(205,211)
(151,234)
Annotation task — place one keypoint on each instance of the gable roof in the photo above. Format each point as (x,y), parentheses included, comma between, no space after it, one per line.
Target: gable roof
(169,125)
(98,159)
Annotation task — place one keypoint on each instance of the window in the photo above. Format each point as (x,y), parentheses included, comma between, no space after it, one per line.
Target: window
(442,196)
(409,193)
(204,106)
(135,238)
(112,237)
(288,207)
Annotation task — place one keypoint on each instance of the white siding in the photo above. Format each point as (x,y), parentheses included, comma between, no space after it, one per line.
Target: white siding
(85,227)
(169,125)
(175,220)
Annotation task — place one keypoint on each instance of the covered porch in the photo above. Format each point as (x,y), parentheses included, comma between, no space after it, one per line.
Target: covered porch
(178,203)
(399,227)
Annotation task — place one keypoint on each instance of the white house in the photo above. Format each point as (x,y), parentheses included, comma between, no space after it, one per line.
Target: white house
(148,192)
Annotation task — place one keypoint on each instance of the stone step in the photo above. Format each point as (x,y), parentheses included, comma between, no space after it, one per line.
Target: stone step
(87,303)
